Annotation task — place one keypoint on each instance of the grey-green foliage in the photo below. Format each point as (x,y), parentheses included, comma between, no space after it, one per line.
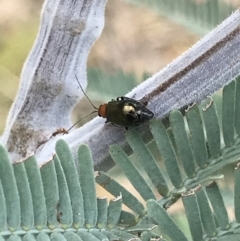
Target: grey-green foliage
(199,16)
(58,201)
(203,143)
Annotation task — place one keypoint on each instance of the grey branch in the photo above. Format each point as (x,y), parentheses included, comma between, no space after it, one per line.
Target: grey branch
(49,91)
(202,70)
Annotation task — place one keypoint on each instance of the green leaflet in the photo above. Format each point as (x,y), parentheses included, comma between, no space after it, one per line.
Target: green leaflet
(159,214)
(131,172)
(150,166)
(237,193)
(64,208)
(10,192)
(212,127)
(237,106)
(182,143)
(37,193)
(86,180)
(114,211)
(26,202)
(207,217)
(3,213)
(193,215)
(218,206)
(228,113)
(51,193)
(102,205)
(198,142)
(28,237)
(75,192)
(168,153)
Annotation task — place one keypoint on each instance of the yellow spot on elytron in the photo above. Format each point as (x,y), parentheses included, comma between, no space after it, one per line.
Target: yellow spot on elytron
(128,108)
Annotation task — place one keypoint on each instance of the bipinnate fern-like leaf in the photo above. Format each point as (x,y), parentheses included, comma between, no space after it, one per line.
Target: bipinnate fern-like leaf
(57,201)
(203,143)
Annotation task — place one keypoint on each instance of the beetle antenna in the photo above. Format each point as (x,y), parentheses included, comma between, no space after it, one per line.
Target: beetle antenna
(80,120)
(85,94)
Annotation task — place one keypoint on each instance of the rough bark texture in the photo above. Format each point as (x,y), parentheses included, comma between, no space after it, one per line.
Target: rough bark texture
(48,88)
(49,91)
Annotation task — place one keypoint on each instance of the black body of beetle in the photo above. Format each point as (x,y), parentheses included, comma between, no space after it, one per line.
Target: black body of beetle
(123,111)
(126,112)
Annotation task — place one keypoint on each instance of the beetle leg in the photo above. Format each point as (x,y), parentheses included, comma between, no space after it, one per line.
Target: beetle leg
(116,125)
(131,128)
(59,131)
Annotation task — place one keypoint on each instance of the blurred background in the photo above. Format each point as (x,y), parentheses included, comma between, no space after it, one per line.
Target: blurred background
(140,38)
